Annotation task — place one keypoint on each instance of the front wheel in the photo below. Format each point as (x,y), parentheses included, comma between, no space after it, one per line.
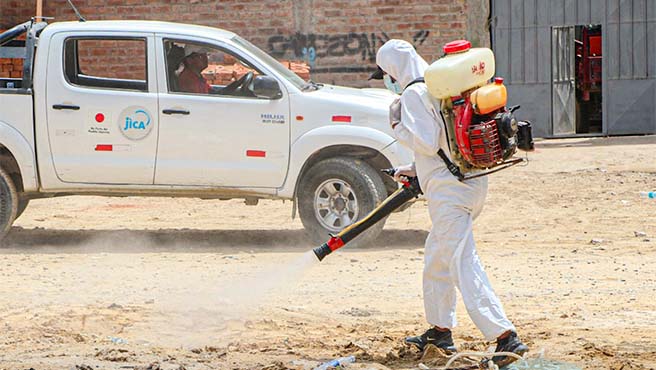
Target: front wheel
(337,192)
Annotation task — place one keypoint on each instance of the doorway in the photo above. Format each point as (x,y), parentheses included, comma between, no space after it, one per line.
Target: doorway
(576,80)
(588,67)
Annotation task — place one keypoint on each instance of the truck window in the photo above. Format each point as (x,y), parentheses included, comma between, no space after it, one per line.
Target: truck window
(201,69)
(106,63)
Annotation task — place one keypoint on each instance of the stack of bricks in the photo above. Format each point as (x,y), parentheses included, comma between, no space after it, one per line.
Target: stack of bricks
(302,69)
(221,74)
(11,67)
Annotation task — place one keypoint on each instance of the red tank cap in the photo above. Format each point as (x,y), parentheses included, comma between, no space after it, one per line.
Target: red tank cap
(457,46)
(498,80)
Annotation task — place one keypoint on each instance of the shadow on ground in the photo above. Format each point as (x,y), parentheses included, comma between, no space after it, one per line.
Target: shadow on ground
(40,240)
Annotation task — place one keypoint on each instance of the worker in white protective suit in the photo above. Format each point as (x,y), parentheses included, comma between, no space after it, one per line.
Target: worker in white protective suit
(450,258)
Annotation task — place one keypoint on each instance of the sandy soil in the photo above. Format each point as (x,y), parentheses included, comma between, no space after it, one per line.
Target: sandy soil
(100,283)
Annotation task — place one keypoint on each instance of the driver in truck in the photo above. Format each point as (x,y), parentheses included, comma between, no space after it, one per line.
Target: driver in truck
(195,60)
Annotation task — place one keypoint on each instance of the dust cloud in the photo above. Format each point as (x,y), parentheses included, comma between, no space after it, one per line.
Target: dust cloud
(178,307)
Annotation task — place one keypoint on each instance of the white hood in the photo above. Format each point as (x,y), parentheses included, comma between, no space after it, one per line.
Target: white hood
(400,60)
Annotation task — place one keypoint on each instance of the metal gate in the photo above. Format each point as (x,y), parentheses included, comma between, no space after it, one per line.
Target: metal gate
(563,83)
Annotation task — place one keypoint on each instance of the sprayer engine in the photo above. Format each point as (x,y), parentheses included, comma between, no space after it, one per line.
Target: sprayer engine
(486,132)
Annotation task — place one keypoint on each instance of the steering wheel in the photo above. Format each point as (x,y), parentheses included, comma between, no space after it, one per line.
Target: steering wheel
(239,85)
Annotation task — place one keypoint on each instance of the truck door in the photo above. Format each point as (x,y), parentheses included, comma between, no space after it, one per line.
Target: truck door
(213,130)
(102,107)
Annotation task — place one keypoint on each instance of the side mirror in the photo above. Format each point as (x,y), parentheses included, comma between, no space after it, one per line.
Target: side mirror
(266,87)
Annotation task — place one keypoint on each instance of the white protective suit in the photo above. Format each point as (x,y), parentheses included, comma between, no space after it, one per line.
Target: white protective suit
(450,258)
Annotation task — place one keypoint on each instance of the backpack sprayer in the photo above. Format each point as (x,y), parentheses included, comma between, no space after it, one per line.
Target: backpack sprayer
(482,133)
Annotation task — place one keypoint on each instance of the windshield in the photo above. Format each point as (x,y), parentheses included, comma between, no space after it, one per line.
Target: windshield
(271,62)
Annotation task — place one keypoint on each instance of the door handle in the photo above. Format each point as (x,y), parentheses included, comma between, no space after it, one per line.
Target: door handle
(65,106)
(176,111)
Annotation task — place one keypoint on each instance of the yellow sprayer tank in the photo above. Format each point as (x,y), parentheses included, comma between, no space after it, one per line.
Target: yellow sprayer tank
(490,97)
(461,69)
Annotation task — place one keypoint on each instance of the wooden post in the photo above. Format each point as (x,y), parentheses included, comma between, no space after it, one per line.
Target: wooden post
(39,10)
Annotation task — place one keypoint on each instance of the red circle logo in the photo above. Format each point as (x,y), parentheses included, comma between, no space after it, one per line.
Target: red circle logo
(100,117)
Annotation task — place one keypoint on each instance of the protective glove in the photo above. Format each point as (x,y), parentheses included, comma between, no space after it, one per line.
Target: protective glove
(395,112)
(407,170)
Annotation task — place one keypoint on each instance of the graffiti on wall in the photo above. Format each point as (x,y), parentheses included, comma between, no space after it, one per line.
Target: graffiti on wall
(311,47)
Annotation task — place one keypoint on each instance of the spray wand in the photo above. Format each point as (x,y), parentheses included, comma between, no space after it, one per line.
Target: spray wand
(409,190)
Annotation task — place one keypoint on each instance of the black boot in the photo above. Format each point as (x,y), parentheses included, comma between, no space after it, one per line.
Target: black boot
(440,339)
(511,343)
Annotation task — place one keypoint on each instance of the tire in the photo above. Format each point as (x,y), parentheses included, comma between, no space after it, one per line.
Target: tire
(22,204)
(357,189)
(8,203)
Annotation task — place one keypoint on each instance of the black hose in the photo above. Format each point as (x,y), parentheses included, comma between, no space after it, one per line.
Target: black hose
(388,206)
(409,191)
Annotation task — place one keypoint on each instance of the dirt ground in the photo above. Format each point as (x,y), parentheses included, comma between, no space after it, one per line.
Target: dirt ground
(116,283)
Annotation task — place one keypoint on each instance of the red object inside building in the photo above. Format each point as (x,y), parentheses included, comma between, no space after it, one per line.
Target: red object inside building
(588,63)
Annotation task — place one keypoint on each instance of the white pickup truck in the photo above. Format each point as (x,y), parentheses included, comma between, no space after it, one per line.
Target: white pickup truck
(101,110)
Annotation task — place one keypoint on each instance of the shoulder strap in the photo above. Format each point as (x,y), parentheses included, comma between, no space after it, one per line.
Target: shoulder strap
(452,167)
(415,81)
(455,170)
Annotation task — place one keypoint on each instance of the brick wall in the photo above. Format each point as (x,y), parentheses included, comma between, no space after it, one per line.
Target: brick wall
(338,39)
(13,12)
(124,59)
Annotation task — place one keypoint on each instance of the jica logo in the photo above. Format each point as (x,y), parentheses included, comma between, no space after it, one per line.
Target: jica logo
(134,123)
(137,122)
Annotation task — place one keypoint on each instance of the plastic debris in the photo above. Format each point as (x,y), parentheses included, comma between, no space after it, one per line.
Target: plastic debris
(336,363)
(117,340)
(648,194)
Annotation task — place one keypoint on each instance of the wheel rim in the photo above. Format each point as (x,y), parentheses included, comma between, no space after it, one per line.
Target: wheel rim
(335,205)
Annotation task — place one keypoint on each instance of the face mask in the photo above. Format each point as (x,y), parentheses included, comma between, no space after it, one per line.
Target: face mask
(392,86)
